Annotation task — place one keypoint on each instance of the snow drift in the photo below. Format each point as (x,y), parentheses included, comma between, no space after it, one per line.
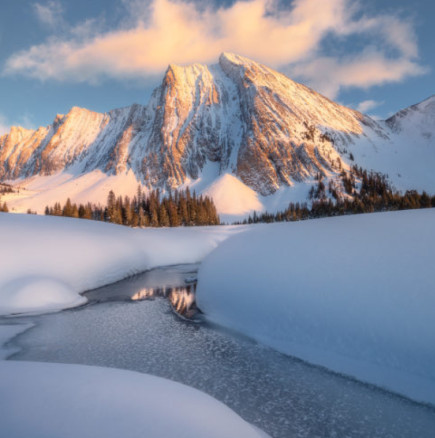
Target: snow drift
(355,294)
(52,400)
(47,261)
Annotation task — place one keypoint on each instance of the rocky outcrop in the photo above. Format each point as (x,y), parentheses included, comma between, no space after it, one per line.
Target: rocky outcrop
(246,118)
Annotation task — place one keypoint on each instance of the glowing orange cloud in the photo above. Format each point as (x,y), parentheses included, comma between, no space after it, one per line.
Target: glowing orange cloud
(177,32)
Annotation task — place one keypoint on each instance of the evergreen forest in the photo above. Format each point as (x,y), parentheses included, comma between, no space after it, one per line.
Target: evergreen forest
(145,210)
(365,192)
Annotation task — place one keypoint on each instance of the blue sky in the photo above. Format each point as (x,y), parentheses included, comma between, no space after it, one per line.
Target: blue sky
(375,55)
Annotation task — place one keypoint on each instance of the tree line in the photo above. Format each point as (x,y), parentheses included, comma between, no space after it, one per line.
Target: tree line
(371,194)
(145,209)
(364,192)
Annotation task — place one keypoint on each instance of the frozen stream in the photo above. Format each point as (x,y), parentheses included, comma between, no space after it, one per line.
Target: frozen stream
(283,396)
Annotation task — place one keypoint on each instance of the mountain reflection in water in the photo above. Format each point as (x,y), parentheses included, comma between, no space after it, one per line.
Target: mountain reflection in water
(175,283)
(182,299)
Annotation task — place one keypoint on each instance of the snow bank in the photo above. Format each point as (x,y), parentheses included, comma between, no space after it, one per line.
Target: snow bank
(47,261)
(52,400)
(355,294)
(30,294)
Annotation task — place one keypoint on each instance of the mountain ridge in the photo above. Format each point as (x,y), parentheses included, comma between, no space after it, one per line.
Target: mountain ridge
(235,117)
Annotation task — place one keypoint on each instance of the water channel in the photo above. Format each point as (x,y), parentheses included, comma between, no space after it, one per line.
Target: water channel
(134,325)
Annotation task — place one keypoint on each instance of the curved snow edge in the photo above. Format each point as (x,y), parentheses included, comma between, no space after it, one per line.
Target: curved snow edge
(47,261)
(353,294)
(42,399)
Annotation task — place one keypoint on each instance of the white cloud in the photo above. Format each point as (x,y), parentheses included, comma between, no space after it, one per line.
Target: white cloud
(26,121)
(368,105)
(49,14)
(329,75)
(160,32)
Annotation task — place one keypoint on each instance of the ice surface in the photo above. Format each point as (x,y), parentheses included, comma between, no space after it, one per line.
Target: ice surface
(47,261)
(54,400)
(281,395)
(354,294)
(8,330)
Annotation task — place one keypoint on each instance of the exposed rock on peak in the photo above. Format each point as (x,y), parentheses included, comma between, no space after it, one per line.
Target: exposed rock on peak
(237,116)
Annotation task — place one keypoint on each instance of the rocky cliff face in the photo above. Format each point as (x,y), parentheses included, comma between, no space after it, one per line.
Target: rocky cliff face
(250,120)
(254,122)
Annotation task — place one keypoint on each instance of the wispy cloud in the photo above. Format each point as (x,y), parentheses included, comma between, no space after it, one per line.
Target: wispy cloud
(50,14)
(372,67)
(368,105)
(26,121)
(160,32)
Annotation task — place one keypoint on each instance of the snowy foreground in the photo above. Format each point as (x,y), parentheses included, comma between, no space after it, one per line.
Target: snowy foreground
(47,261)
(355,294)
(56,400)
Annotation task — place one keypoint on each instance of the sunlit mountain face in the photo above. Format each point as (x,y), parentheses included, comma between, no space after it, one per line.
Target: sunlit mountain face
(236,130)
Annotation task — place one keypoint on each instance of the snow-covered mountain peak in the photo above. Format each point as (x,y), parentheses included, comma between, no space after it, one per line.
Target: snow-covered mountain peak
(17,133)
(184,75)
(58,119)
(300,100)
(227,58)
(77,111)
(420,116)
(233,58)
(236,117)
(428,103)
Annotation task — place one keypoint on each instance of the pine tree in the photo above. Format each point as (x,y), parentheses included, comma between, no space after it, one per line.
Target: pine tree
(142,218)
(57,211)
(163,216)
(74,211)
(111,201)
(154,218)
(127,212)
(183,213)
(88,214)
(174,218)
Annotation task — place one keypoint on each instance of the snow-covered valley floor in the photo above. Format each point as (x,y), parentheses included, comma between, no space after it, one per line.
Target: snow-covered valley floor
(47,261)
(281,395)
(352,294)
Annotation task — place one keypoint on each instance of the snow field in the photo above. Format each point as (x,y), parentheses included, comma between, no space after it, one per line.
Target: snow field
(355,294)
(47,261)
(53,400)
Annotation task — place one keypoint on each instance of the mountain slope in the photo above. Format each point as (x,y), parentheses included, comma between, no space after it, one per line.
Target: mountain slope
(408,155)
(236,117)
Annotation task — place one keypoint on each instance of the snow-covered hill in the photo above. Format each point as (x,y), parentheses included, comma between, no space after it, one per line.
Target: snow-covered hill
(36,276)
(231,128)
(353,294)
(408,156)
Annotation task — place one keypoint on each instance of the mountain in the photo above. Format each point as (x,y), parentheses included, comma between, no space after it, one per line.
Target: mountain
(238,130)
